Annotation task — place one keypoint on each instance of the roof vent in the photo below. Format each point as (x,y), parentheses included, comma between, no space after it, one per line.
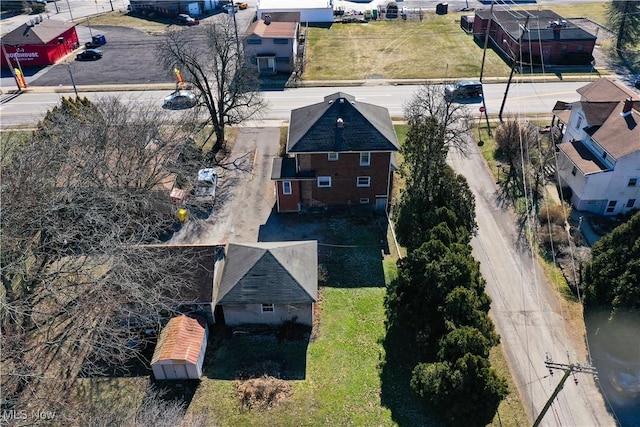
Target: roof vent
(341,100)
(626,109)
(340,123)
(267,19)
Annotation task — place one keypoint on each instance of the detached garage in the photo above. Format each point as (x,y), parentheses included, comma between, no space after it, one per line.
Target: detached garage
(310,10)
(179,354)
(39,42)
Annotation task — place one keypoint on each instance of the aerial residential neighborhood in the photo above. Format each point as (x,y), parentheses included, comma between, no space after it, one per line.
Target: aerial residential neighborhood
(278,212)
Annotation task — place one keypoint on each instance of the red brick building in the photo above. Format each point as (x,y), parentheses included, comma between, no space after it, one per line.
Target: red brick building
(547,41)
(340,152)
(39,43)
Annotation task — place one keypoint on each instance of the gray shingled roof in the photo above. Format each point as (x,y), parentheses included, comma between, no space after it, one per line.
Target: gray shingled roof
(270,273)
(38,34)
(366,127)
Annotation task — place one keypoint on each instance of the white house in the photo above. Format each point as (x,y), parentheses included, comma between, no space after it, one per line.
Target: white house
(310,10)
(599,156)
(180,350)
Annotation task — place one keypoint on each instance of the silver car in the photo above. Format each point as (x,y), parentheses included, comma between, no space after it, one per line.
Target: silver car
(180,99)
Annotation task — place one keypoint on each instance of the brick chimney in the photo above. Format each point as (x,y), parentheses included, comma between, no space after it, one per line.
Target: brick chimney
(626,109)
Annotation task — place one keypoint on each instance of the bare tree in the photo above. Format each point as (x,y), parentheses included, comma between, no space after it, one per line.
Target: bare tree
(227,84)
(526,156)
(80,196)
(454,118)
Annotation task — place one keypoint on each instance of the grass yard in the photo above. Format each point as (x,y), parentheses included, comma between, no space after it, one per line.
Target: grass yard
(433,48)
(594,11)
(338,378)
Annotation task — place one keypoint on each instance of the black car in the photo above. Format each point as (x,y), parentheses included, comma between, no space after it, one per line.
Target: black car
(464,89)
(89,55)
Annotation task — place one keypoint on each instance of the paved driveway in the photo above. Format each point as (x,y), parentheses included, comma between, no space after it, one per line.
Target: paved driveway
(245,197)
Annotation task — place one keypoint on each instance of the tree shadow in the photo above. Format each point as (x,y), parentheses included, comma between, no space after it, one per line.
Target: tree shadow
(395,376)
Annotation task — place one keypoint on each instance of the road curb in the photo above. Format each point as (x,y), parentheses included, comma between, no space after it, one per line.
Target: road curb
(308,83)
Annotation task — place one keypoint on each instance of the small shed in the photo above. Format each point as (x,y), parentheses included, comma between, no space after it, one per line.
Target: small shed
(466,23)
(180,350)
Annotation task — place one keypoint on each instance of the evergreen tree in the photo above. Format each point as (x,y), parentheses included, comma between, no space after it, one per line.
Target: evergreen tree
(624,18)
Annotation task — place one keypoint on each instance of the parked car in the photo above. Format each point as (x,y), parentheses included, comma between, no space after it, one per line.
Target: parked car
(242,5)
(201,193)
(183,18)
(463,89)
(89,55)
(180,99)
(204,191)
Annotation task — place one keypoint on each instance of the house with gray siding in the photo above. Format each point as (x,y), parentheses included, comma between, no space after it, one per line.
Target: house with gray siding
(269,283)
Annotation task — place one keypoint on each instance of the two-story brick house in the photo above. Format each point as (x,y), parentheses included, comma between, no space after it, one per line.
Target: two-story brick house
(340,152)
(272,46)
(599,156)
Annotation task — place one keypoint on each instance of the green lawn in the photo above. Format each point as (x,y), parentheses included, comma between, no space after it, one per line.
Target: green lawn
(433,48)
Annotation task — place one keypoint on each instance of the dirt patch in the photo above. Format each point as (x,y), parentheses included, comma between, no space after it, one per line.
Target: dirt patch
(262,393)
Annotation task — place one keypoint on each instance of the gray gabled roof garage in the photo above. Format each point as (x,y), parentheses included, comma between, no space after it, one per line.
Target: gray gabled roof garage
(273,272)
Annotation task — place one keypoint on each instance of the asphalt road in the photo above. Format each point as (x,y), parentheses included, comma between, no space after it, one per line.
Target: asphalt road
(525,310)
(525,99)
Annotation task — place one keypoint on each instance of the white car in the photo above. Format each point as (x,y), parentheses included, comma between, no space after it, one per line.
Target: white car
(205,188)
(180,99)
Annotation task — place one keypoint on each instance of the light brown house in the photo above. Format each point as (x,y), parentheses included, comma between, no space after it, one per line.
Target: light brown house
(340,153)
(272,46)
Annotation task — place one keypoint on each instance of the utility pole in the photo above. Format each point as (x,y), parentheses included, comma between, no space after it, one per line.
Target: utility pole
(70,14)
(568,370)
(513,68)
(73,82)
(484,54)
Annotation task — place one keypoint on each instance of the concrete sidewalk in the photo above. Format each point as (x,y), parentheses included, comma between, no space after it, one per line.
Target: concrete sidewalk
(8,86)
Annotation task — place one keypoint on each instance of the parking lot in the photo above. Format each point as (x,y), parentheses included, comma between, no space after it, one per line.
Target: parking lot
(130,56)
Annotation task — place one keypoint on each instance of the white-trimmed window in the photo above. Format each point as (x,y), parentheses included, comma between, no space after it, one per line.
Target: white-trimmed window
(632,182)
(631,202)
(611,206)
(579,122)
(364,201)
(286,187)
(364,181)
(332,157)
(324,182)
(365,158)
(268,308)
